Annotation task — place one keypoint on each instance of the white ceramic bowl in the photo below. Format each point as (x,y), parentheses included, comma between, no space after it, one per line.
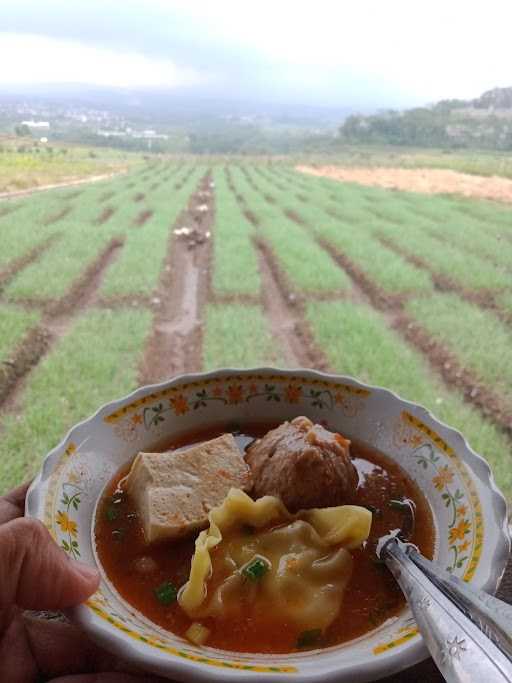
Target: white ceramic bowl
(469,511)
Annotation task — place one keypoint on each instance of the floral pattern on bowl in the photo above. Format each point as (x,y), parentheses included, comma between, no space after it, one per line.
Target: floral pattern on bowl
(469,512)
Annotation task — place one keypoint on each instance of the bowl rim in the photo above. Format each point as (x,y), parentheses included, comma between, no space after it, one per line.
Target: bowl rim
(388,662)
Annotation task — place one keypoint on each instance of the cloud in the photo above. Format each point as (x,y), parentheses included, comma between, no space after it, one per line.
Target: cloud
(366,52)
(40,59)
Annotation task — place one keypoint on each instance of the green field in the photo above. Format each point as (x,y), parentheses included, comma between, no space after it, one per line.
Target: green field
(260,252)
(26,163)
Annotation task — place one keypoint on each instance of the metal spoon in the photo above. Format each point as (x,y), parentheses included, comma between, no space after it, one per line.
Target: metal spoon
(468,632)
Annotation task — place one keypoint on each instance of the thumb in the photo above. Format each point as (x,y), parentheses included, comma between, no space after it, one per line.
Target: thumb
(35,573)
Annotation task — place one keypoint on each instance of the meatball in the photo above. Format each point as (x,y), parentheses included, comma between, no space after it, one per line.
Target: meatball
(304,464)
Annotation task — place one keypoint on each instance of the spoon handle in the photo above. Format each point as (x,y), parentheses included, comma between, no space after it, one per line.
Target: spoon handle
(461,651)
(491,615)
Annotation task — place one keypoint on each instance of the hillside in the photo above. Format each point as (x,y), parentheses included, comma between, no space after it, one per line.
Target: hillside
(483,123)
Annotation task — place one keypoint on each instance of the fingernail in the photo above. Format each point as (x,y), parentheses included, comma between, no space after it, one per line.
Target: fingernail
(85,570)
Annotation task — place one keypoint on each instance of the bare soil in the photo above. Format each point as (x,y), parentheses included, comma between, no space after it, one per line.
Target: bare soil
(59,317)
(175,342)
(294,216)
(424,180)
(483,298)
(143,217)
(251,217)
(378,297)
(16,266)
(7,208)
(286,319)
(490,404)
(107,212)
(83,291)
(27,354)
(56,217)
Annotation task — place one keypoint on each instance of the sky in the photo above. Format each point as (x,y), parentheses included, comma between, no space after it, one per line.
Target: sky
(357,53)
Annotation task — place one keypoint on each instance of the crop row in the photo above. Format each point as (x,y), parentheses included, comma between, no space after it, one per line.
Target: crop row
(307,266)
(81,240)
(235,262)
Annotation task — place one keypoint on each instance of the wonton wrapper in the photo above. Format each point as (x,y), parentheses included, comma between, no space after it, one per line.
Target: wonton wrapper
(306,577)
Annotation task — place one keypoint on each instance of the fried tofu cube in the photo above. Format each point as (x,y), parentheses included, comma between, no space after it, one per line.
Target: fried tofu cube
(175,491)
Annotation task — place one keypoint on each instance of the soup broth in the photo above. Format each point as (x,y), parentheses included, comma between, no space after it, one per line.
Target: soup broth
(138,570)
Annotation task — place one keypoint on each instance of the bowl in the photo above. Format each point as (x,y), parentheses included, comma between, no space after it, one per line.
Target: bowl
(469,512)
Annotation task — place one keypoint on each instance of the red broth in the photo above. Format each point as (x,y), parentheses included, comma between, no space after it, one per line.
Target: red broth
(371,597)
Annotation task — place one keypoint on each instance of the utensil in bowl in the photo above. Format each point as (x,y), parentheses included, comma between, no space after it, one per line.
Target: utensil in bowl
(65,493)
(468,632)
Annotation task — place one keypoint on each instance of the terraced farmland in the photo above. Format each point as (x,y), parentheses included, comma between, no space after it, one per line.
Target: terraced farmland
(181,266)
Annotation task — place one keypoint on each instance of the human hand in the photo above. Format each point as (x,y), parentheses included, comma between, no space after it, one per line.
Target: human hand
(35,574)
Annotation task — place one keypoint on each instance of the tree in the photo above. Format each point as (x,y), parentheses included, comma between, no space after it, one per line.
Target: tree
(22,130)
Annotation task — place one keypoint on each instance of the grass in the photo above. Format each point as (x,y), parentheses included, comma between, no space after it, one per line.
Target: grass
(69,384)
(137,269)
(308,267)
(504,299)
(382,265)
(25,163)
(358,342)
(14,323)
(235,264)
(467,240)
(463,327)
(81,242)
(238,336)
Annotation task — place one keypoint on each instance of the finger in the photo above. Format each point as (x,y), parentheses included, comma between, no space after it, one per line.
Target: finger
(12,505)
(35,573)
(109,678)
(61,648)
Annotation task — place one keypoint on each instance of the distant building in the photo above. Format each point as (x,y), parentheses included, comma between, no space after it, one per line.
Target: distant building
(111,133)
(36,124)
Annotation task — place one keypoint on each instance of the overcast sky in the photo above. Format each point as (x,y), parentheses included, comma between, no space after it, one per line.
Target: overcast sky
(359,53)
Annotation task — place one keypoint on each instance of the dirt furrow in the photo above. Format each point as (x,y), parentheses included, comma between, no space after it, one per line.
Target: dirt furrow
(482,298)
(104,216)
(28,353)
(83,290)
(8,208)
(285,313)
(175,342)
(378,297)
(123,301)
(492,406)
(56,217)
(463,245)
(489,403)
(445,363)
(142,218)
(56,322)
(247,299)
(16,266)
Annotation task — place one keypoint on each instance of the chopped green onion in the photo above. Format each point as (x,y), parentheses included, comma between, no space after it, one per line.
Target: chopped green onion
(166,593)
(256,568)
(309,638)
(111,514)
